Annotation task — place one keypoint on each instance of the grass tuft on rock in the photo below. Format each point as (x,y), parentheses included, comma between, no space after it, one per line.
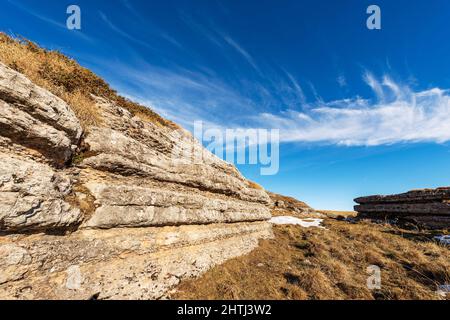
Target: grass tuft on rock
(327,264)
(65,78)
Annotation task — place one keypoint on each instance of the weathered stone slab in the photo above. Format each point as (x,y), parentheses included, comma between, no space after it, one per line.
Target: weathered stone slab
(118,153)
(427,208)
(14,263)
(120,263)
(129,206)
(431,222)
(282,203)
(425,195)
(32,196)
(432,208)
(134,214)
(32,116)
(134,147)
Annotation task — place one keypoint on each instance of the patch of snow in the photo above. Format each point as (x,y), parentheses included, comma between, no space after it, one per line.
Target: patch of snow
(305,222)
(443,239)
(443,290)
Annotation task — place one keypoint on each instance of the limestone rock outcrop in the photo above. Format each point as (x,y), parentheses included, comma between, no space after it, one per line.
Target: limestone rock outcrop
(429,208)
(125,209)
(287,205)
(32,196)
(135,263)
(32,117)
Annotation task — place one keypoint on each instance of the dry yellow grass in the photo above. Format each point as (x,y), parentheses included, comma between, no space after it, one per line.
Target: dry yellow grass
(328,264)
(65,78)
(254,185)
(287,200)
(335,214)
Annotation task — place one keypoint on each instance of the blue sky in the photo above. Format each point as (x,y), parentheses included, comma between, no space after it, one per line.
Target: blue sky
(359,112)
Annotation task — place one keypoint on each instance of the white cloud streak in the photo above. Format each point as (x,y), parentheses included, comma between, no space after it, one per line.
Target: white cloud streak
(241,51)
(37,15)
(118,30)
(341,81)
(399,115)
(30,11)
(297,87)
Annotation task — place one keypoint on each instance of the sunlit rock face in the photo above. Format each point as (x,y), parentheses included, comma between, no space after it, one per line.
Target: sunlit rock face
(112,211)
(428,208)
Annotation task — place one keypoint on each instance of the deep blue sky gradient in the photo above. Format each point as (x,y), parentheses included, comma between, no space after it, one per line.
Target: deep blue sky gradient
(226,62)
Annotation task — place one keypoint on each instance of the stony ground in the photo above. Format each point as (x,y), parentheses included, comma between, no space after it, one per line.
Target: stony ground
(329,263)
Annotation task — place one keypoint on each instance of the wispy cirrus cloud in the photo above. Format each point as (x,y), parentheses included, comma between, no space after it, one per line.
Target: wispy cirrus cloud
(156,31)
(241,51)
(297,88)
(131,8)
(342,81)
(398,115)
(218,37)
(120,31)
(182,95)
(36,14)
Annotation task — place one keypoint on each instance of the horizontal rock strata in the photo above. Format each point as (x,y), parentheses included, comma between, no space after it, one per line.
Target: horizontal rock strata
(119,263)
(125,209)
(428,207)
(33,117)
(156,207)
(32,196)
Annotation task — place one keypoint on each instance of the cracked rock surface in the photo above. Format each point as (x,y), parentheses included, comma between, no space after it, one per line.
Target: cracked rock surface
(143,207)
(427,208)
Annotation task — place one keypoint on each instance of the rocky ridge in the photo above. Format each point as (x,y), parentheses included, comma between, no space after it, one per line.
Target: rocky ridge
(287,205)
(427,208)
(123,209)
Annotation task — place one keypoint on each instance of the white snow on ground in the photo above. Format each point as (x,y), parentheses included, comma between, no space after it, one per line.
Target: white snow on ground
(305,222)
(444,290)
(443,239)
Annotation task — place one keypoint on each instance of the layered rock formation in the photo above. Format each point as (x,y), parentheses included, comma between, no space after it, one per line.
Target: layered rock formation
(286,205)
(428,208)
(125,209)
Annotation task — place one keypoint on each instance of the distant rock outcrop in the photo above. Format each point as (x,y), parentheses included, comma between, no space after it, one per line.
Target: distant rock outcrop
(282,204)
(428,208)
(117,210)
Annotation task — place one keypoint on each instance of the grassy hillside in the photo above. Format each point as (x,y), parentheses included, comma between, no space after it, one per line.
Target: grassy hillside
(329,264)
(66,79)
